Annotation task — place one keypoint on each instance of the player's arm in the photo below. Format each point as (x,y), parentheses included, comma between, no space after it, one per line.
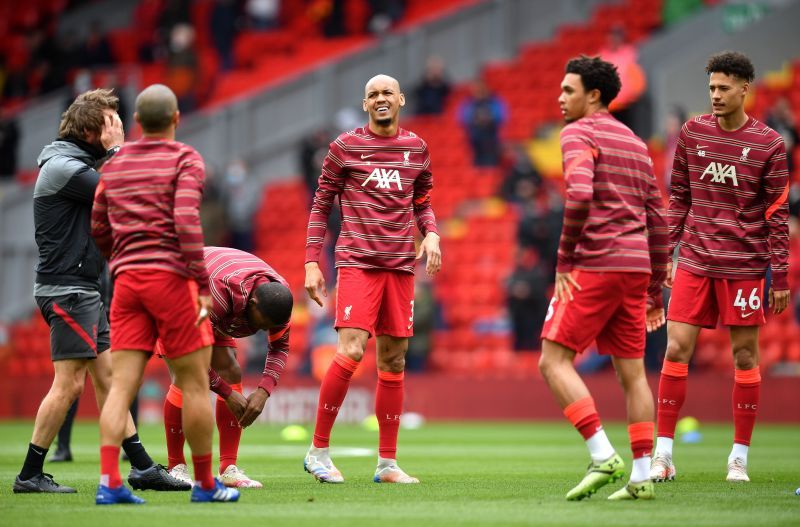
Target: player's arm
(274,365)
(188,195)
(658,244)
(680,198)
(330,185)
(101,226)
(578,154)
(426,219)
(776,187)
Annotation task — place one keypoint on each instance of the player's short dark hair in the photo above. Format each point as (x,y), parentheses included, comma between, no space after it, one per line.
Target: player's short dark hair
(274,301)
(732,63)
(596,74)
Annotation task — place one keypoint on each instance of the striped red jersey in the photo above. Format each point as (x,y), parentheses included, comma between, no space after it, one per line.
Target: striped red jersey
(146,212)
(728,207)
(614,213)
(383,185)
(233,275)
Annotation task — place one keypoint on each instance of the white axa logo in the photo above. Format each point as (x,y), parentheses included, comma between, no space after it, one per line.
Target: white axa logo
(384,178)
(719,173)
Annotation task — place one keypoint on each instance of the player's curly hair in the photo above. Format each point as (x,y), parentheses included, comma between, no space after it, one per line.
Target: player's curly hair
(731,63)
(274,301)
(596,74)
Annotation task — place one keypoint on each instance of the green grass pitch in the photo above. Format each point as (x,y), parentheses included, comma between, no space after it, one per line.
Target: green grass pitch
(472,474)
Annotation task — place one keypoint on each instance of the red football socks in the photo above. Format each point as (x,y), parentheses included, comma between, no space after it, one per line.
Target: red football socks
(109,467)
(331,395)
(583,416)
(746,392)
(671,395)
(229,432)
(641,436)
(173,426)
(202,471)
(388,408)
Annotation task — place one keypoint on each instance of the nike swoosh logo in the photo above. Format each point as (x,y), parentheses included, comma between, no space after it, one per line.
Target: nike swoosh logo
(365,157)
(748,314)
(700,147)
(38,452)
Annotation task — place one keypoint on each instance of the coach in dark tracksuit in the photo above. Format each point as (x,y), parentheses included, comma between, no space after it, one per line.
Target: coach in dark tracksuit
(67,288)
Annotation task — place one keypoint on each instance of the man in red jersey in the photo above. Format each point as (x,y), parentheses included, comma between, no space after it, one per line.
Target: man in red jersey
(612,261)
(248,295)
(728,212)
(146,220)
(382,177)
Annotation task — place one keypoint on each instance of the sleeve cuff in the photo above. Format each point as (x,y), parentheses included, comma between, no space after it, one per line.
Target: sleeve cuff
(780,281)
(268,383)
(312,254)
(430,227)
(223,389)
(564,267)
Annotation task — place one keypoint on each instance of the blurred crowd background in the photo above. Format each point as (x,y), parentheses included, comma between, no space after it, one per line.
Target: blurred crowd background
(265,85)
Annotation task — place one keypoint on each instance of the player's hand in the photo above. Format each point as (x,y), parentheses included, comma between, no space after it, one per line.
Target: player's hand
(237,404)
(563,292)
(112,133)
(430,246)
(315,282)
(655,319)
(203,308)
(670,275)
(255,405)
(778,300)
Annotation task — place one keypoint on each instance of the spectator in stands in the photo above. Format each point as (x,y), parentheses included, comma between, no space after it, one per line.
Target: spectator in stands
(9,139)
(424,321)
(333,20)
(625,57)
(522,180)
(224,22)
(182,66)
(12,78)
(239,202)
(385,14)
(174,13)
(540,223)
(45,71)
(782,120)
(672,128)
(263,15)
(96,50)
(527,298)
(313,150)
(482,115)
(432,91)
(213,216)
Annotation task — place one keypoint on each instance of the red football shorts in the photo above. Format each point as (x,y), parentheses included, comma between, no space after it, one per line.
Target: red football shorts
(702,300)
(610,308)
(151,304)
(378,301)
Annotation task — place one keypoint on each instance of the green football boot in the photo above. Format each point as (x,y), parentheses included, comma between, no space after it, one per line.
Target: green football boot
(642,490)
(598,475)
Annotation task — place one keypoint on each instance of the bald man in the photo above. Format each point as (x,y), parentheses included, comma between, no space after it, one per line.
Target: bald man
(382,176)
(146,221)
